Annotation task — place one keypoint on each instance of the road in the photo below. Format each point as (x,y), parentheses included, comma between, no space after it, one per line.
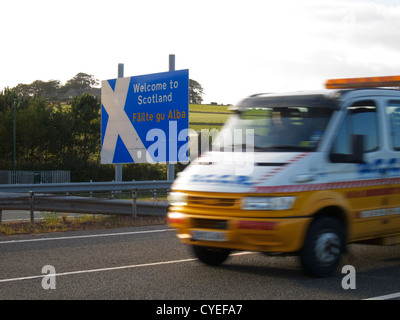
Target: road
(149,263)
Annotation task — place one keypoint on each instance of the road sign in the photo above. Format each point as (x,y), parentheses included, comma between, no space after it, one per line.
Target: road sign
(145,118)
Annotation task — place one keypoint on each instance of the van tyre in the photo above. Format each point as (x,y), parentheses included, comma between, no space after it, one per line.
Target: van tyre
(323,247)
(211,256)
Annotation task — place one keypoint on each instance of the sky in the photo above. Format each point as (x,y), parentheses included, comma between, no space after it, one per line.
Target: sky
(232,48)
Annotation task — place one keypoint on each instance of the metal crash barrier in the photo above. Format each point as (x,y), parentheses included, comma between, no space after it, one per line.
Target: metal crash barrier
(46,197)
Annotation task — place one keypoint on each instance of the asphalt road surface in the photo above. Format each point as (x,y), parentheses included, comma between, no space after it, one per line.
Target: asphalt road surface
(149,263)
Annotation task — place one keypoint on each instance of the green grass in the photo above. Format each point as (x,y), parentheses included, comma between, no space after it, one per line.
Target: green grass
(208,118)
(209,108)
(202,116)
(198,127)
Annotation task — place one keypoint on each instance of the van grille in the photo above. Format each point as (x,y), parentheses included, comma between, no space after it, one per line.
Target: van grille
(211,202)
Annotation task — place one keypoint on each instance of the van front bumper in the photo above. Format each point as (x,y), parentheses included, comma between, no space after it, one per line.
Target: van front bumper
(283,235)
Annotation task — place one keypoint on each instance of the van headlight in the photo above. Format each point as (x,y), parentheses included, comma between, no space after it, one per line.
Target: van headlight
(267,203)
(177,199)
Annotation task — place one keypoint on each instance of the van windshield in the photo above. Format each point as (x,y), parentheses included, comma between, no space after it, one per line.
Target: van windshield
(282,129)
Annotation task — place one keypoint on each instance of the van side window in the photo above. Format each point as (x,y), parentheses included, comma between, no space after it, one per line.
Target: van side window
(393,112)
(361,119)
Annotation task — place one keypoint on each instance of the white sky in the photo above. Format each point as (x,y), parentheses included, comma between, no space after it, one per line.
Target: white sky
(232,48)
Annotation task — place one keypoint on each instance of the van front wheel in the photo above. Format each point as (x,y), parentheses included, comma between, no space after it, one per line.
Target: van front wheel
(211,256)
(323,247)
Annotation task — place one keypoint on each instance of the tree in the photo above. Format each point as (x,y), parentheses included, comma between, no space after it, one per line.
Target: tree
(7,98)
(23,90)
(81,81)
(33,123)
(38,88)
(195,92)
(42,88)
(85,112)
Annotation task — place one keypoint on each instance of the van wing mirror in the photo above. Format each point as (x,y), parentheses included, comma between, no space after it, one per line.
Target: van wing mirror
(357,151)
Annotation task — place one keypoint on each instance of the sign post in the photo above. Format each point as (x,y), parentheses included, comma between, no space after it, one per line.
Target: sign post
(171,166)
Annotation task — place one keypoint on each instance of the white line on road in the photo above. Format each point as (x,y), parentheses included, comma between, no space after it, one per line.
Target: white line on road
(99,270)
(85,236)
(386,297)
(111,268)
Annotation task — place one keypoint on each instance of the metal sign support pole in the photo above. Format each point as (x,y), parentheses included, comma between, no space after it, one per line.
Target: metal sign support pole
(171,166)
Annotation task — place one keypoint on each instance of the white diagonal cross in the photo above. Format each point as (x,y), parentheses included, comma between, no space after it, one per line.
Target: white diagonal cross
(119,123)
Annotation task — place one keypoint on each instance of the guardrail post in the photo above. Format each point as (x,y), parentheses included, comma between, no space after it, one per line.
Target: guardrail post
(1,216)
(31,205)
(154,196)
(134,205)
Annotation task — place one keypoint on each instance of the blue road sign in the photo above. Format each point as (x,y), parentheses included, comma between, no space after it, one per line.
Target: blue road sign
(145,118)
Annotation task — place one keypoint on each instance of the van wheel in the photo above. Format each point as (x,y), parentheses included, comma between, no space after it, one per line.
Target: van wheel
(323,247)
(211,256)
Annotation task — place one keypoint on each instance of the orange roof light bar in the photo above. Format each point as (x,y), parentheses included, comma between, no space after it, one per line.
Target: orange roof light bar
(390,81)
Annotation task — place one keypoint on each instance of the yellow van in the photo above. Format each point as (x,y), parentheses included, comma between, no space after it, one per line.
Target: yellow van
(302,173)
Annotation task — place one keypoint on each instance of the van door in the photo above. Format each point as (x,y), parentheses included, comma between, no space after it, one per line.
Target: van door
(361,183)
(392,107)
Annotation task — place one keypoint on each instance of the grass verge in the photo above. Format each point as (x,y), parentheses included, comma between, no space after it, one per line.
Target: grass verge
(54,223)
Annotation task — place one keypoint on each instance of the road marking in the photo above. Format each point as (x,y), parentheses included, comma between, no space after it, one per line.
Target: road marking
(386,297)
(85,236)
(100,270)
(151,264)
